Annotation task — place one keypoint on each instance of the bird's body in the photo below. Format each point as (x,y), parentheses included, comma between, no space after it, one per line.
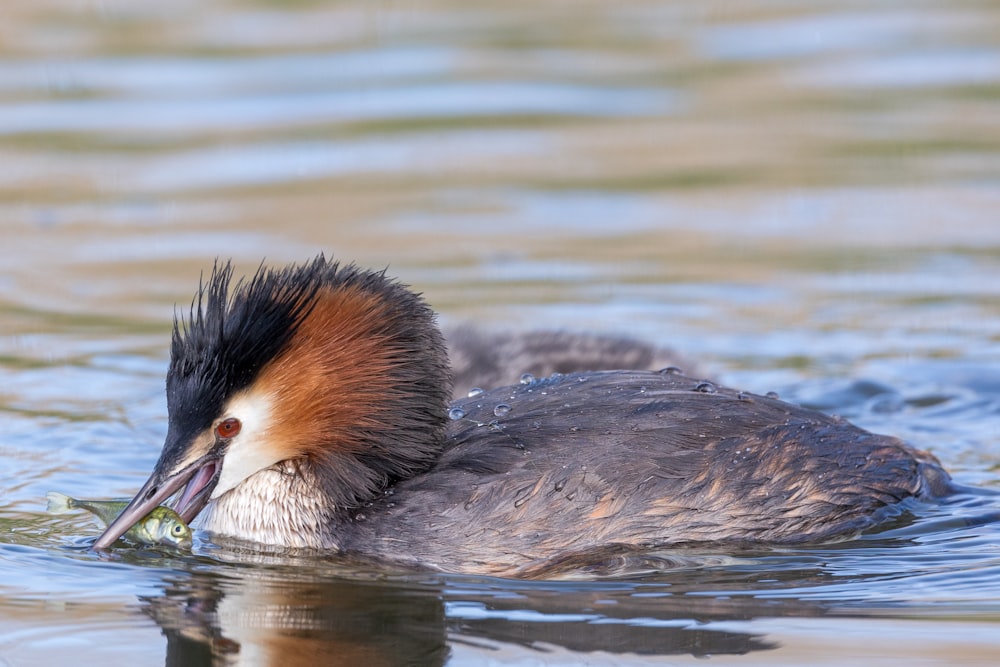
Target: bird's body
(485,358)
(310,409)
(516,492)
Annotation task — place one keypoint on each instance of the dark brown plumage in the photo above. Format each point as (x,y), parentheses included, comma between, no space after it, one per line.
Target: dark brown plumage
(487,359)
(324,426)
(640,459)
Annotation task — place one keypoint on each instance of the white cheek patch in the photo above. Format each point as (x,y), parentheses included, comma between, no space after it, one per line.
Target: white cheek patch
(250,451)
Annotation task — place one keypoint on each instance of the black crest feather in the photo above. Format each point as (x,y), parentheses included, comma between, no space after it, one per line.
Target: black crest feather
(231,332)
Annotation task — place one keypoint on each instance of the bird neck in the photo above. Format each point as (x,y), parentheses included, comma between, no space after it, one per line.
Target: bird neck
(287,504)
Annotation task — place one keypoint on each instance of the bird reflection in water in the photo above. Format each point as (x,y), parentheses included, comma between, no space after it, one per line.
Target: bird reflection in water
(303,615)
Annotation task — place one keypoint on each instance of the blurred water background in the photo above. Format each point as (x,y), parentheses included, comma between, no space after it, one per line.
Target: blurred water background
(798,196)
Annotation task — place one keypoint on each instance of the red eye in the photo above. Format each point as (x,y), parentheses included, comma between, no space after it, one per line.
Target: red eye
(228,428)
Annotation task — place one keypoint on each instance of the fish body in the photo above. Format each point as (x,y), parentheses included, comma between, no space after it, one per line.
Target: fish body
(161,526)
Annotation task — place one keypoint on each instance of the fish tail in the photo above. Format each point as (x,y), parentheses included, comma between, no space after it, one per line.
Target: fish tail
(59,502)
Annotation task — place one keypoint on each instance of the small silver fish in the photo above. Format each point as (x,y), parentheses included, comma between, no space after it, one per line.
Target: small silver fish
(161,526)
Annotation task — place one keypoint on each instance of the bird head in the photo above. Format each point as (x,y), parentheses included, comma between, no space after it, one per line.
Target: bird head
(335,366)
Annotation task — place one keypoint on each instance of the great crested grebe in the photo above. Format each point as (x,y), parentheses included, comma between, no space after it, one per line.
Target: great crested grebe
(309,407)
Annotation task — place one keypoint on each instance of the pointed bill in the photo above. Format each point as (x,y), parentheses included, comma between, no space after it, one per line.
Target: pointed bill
(199,478)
